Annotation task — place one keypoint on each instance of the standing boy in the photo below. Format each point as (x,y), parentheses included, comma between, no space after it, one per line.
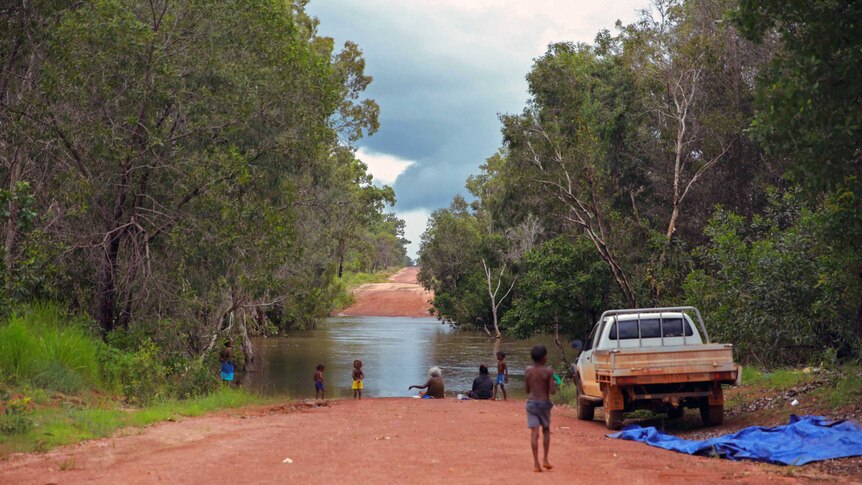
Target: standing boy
(539,380)
(502,375)
(319,383)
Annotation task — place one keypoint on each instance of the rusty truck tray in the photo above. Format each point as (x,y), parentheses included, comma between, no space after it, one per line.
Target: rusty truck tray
(664,365)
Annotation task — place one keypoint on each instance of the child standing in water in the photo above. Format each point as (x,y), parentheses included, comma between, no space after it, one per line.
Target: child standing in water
(539,381)
(358,375)
(226,361)
(319,383)
(502,375)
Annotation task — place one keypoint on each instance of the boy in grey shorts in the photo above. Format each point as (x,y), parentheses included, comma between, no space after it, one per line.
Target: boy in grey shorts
(539,380)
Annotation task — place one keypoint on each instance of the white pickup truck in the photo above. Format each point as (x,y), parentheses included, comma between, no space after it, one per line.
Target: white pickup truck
(652,358)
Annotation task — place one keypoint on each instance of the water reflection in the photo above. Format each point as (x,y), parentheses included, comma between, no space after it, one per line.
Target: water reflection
(396,352)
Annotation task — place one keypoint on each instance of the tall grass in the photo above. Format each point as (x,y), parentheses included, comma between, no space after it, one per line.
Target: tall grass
(44,347)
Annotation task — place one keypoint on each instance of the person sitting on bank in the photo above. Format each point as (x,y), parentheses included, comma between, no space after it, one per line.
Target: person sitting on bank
(483,385)
(435,386)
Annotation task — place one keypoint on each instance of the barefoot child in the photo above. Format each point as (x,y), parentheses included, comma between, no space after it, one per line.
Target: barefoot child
(539,380)
(502,375)
(319,383)
(358,375)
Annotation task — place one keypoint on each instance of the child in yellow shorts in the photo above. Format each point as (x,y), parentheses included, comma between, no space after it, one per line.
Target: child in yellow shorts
(358,375)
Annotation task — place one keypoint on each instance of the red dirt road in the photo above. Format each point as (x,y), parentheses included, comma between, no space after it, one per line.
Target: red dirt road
(403,296)
(372,441)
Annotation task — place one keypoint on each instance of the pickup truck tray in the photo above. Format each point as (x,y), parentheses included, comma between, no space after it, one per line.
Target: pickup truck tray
(664,365)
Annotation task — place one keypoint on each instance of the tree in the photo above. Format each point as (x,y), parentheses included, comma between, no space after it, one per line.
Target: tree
(561,140)
(493,291)
(564,288)
(810,98)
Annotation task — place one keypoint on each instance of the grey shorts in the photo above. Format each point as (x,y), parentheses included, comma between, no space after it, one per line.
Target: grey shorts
(539,414)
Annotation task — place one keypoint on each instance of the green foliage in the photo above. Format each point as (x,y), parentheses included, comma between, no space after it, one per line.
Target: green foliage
(450,259)
(810,99)
(16,415)
(566,394)
(773,286)
(142,375)
(44,347)
(564,283)
(629,145)
(780,378)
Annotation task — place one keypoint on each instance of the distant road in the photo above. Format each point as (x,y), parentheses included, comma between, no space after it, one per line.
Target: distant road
(402,296)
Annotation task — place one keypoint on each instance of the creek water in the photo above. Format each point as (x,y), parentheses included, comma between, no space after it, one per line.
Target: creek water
(395,353)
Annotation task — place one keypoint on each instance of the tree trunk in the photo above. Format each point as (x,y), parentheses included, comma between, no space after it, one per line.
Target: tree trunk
(671,227)
(12,223)
(107,284)
(560,344)
(107,277)
(496,327)
(247,348)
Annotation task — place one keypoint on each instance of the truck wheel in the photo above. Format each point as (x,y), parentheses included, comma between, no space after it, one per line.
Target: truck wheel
(712,415)
(675,413)
(586,409)
(613,419)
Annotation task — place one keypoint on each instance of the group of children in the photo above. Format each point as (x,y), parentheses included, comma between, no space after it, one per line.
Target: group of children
(357,386)
(359,376)
(539,382)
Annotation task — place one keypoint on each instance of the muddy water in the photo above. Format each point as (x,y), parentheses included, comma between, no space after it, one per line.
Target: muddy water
(396,352)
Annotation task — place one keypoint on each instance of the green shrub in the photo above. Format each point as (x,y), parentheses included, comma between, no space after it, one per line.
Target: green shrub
(193,378)
(566,394)
(16,416)
(142,375)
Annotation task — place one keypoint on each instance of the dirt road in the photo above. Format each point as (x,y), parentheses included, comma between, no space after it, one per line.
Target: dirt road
(403,296)
(372,441)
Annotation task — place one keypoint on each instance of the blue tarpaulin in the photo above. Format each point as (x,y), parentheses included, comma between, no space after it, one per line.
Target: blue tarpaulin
(802,440)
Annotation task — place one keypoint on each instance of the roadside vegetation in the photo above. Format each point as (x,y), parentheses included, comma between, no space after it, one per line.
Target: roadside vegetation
(174,175)
(706,154)
(61,383)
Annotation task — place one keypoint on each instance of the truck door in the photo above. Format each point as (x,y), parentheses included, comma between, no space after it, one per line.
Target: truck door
(586,365)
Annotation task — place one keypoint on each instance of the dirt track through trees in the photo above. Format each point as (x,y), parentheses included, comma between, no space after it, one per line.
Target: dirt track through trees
(402,296)
(372,441)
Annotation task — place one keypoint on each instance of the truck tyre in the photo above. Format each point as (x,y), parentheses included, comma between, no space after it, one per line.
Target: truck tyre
(613,419)
(712,415)
(586,409)
(675,413)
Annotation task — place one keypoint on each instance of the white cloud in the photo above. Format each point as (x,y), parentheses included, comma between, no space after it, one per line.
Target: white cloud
(416,220)
(385,168)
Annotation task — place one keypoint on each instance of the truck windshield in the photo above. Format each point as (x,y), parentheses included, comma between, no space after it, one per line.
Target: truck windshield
(651,328)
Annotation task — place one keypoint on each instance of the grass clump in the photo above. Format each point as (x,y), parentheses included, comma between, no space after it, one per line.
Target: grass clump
(566,394)
(43,347)
(774,379)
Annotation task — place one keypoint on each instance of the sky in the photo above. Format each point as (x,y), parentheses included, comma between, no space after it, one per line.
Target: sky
(444,70)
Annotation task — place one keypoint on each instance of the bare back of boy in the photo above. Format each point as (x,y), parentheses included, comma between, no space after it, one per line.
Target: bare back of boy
(539,380)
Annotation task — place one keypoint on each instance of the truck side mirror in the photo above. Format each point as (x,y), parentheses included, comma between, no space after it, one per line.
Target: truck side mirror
(577,344)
